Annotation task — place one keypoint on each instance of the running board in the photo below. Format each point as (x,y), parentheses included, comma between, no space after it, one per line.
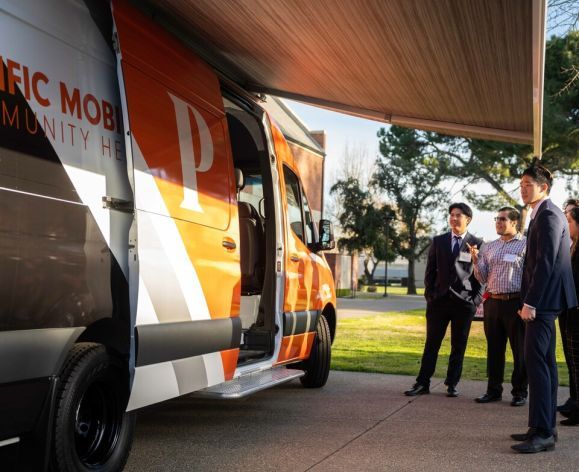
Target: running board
(250,383)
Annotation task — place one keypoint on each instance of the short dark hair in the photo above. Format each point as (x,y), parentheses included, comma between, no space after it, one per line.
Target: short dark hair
(514,215)
(574,212)
(462,207)
(540,174)
(571,201)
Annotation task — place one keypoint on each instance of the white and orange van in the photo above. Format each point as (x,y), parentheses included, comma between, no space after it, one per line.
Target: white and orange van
(155,238)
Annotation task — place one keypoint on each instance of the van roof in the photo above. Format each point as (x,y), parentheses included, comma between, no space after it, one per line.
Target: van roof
(462,67)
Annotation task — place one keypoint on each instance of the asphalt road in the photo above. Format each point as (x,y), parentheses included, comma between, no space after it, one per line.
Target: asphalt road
(357,422)
(358,307)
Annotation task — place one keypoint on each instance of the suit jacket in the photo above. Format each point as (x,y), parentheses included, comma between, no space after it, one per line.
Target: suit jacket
(444,273)
(575,268)
(547,281)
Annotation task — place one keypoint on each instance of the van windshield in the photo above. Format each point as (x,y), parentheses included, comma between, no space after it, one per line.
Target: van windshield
(252,192)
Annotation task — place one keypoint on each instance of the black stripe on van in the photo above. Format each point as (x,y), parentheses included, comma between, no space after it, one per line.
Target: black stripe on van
(299,322)
(170,341)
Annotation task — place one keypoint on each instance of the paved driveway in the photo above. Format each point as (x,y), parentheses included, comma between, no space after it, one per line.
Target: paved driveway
(358,307)
(358,422)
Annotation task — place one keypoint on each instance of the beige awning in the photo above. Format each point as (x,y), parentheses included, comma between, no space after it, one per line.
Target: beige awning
(462,67)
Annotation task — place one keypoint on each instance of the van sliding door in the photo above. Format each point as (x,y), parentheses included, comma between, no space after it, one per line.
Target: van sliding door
(188,275)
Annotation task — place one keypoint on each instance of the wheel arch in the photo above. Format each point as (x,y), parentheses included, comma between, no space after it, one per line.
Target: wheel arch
(329,313)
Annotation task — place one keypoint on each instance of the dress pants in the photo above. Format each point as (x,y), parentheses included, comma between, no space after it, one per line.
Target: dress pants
(502,323)
(540,338)
(446,310)
(569,326)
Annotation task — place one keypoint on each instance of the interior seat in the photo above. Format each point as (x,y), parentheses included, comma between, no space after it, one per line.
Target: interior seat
(251,242)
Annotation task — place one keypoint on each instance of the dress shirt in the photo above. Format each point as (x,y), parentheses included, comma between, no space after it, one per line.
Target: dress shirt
(500,275)
(537,206)
(533,213)
(454,235)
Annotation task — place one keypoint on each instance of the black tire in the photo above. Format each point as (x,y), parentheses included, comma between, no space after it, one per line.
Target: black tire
(92,431)
(317,367)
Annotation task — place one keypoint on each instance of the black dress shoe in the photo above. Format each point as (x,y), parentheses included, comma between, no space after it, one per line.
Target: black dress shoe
(524,436)
(417,389)
(518,401)
(488,397)
(566,408)
(535,443)
(451,391)
(572,419)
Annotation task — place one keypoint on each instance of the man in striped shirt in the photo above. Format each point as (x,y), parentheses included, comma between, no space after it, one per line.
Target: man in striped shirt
(500,266)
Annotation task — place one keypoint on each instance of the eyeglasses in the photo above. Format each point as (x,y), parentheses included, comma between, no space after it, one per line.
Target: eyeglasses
(501,218)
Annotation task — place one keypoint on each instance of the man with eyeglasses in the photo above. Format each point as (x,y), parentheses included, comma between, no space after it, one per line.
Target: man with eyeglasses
(500,266)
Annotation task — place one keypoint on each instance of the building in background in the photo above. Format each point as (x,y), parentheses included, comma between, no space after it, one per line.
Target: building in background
(308,148)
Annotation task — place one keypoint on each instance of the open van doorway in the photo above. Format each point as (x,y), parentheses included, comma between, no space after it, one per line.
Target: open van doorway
(257,227)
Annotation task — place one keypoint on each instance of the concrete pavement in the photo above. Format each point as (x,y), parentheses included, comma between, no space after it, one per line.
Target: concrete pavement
(357,422)
(360,307)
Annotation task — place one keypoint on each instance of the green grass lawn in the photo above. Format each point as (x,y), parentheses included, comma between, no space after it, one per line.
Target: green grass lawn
(392,343)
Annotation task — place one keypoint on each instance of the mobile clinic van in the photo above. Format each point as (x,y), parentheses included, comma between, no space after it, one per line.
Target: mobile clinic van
(155,239)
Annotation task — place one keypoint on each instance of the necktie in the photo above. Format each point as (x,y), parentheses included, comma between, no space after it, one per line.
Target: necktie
(456,246)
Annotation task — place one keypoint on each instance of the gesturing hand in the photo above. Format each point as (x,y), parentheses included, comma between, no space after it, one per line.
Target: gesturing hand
(473,252)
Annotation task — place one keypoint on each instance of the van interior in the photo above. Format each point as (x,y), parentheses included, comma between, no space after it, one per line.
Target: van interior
(257,230)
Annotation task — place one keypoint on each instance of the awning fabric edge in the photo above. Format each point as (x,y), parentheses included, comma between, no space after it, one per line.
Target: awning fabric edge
(454,129)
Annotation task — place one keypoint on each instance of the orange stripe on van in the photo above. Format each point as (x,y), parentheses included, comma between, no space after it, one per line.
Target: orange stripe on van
(229,360)
(295,348)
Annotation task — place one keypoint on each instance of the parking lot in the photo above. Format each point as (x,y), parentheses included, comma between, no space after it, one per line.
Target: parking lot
(358,422)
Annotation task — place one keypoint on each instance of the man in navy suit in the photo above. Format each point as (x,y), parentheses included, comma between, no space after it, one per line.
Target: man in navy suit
(547,289)
(452,294)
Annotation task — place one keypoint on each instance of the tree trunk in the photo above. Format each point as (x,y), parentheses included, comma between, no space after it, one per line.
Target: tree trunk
(374,265)
(411,276)
(369,275)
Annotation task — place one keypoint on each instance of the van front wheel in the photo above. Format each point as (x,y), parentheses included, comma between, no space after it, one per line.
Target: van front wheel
(92,431)
(317,367)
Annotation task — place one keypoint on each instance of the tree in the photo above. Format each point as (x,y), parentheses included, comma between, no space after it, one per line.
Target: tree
(355,163)
(410,175)
(363,225)
(564,15)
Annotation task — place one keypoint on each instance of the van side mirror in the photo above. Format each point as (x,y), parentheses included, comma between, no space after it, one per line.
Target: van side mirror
(326,236)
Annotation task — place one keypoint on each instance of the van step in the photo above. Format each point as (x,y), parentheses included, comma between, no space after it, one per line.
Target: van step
(250,383)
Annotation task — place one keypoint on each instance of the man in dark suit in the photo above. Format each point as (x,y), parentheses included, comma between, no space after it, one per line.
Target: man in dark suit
(452,294)
(546,290)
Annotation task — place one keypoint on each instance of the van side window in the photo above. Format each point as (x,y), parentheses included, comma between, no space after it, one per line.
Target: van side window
(293,197)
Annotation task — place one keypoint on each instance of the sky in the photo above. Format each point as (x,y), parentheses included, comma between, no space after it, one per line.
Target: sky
(344,130)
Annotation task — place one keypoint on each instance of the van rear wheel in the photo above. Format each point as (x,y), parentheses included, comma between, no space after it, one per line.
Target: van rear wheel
(317,367)
(92,431)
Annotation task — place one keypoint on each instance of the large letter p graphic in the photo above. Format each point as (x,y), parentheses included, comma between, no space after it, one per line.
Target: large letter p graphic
(190,194)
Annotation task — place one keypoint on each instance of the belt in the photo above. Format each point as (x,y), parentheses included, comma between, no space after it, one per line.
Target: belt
(505,296)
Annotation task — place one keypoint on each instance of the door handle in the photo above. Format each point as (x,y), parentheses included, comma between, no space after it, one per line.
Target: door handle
(228,244)
(118,204)
(294,258)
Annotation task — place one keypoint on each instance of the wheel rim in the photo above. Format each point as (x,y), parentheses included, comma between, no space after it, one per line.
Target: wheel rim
(98,422)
